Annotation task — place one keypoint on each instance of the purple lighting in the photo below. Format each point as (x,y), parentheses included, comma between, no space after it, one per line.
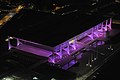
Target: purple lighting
(80,41)
(62,54)
(23,46)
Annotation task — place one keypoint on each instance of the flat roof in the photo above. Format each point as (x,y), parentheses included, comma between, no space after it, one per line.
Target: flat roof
(49,29)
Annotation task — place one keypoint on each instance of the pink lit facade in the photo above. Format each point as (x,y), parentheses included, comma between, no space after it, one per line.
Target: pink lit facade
(67,53)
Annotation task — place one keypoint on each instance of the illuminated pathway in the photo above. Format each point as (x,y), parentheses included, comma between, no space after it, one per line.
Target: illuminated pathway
(10,15)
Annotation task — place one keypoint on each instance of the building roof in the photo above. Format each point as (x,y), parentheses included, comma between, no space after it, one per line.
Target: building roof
(50,29)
